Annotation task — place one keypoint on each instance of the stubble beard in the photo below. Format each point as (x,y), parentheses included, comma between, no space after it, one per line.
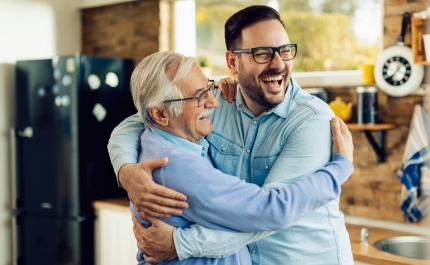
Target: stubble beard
(256,92)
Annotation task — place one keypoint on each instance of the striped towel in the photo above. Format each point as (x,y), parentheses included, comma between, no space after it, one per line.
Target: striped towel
(415,170)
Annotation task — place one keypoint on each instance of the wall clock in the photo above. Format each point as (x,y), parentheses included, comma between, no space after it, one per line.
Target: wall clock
(395,73)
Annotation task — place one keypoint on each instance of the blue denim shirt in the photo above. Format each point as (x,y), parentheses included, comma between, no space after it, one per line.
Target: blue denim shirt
(283,145)
(217,200)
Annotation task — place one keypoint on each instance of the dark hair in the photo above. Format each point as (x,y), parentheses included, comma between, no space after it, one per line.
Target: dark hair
(244,18)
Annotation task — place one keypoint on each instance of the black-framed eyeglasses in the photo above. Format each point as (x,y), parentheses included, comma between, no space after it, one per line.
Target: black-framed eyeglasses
(264,55)
(202,97)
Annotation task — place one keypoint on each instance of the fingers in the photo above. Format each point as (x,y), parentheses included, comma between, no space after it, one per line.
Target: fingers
(152,164)
(344,128)
(342,138)
(335,127)
(160,211)
(228,87)
(232,90)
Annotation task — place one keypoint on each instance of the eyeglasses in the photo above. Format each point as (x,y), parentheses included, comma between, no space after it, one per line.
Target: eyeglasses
(264,55)
(202,97)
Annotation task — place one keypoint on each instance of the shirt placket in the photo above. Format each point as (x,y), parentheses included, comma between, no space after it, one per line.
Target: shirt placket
(246,174)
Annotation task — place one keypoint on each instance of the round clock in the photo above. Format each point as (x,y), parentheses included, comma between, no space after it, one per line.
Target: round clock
(395,73)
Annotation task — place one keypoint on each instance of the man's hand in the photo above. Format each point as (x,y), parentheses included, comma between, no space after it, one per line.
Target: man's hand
(342,138)
(156,241)
(148,197)
(228,87)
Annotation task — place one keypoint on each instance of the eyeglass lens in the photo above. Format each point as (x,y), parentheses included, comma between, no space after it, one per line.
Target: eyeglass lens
(201,99)
(265,54)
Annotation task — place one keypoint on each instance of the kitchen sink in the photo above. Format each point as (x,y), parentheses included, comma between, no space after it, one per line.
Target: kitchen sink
(414,247)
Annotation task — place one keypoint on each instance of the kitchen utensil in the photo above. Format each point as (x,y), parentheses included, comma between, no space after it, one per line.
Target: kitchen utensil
(395,73)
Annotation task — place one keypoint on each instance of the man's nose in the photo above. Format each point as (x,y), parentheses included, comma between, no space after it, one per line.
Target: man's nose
(211,101)
(277,62)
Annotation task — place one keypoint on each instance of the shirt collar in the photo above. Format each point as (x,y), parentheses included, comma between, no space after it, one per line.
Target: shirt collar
(200,148)
(282,109)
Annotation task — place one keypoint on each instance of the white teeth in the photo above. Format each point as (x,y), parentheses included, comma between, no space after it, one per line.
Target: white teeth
(272,78)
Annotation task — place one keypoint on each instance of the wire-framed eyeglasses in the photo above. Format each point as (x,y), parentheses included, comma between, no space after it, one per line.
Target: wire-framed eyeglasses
(202,97)
(264,55)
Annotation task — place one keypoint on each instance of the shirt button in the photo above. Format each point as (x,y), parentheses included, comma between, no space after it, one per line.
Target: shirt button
(254,122)
(248,151)
(254,251)
(223,256)
(266,167)
(223,148)
(240,105)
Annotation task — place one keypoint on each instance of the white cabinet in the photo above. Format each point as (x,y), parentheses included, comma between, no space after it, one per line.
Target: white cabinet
(114,239)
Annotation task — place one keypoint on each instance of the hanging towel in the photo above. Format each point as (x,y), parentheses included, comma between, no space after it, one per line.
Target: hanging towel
(415,170)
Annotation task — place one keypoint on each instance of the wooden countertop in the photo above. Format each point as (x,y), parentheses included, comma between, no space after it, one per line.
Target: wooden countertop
(372,255)
(117,204)
(362,253)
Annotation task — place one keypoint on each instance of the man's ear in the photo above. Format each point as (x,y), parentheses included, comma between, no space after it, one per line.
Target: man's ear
(231,59)
(159,115)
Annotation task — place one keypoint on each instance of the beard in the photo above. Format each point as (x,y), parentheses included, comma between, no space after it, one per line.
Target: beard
(256,92)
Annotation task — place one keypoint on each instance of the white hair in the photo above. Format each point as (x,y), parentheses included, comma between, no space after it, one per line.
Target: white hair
(155,80)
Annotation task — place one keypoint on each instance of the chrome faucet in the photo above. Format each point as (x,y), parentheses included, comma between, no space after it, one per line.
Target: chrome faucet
(364,236)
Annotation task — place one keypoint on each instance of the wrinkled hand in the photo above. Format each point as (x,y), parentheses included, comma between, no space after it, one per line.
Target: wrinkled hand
(228,87)
(156,241)
(342,138)
(148,197)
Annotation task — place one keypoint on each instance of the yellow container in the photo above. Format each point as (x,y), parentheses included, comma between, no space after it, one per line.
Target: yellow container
(367,73)
(341,109)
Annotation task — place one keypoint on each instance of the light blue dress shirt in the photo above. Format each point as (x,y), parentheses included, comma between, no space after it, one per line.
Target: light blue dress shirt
(288,143)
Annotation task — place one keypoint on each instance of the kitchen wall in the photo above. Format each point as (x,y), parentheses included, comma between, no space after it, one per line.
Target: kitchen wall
(28,30)
(373,190)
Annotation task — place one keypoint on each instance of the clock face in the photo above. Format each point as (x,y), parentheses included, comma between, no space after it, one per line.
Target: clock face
(396,74)
(396,71)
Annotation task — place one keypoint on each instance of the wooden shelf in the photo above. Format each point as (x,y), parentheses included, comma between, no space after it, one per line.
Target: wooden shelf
(378,144)
(371,127)
(419,27)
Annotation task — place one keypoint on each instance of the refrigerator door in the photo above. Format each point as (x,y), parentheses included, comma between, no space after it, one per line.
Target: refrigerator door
(105,100)
(52,241)
(40,148)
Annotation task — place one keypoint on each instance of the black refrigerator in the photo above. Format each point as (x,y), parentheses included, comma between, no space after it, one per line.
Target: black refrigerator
(67,107)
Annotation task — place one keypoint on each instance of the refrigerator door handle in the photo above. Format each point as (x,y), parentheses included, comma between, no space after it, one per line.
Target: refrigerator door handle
(14,241)
(27,132)
(13,168)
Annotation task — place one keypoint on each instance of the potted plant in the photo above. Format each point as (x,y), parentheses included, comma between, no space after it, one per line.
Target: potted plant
(205,65)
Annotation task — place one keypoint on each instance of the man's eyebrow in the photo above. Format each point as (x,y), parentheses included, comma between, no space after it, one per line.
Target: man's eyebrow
(198,91)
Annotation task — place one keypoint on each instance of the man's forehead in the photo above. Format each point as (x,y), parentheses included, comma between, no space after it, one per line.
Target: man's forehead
(269,33)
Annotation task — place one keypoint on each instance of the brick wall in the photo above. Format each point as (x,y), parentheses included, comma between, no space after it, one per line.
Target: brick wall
(129,30)
(373,190)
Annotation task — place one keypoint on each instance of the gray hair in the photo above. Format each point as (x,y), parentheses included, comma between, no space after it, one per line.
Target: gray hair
(155,80)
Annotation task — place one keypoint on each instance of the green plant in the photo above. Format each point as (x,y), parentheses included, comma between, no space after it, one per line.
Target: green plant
(203,61)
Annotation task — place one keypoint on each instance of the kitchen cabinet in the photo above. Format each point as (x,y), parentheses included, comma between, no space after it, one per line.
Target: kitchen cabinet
(114,239)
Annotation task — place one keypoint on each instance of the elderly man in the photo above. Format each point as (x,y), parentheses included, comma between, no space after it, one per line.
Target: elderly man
(175,100)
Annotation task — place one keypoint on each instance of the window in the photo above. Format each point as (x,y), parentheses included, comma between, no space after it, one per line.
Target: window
(332,35)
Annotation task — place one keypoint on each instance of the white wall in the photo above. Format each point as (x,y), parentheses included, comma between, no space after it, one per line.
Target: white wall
(28,30)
